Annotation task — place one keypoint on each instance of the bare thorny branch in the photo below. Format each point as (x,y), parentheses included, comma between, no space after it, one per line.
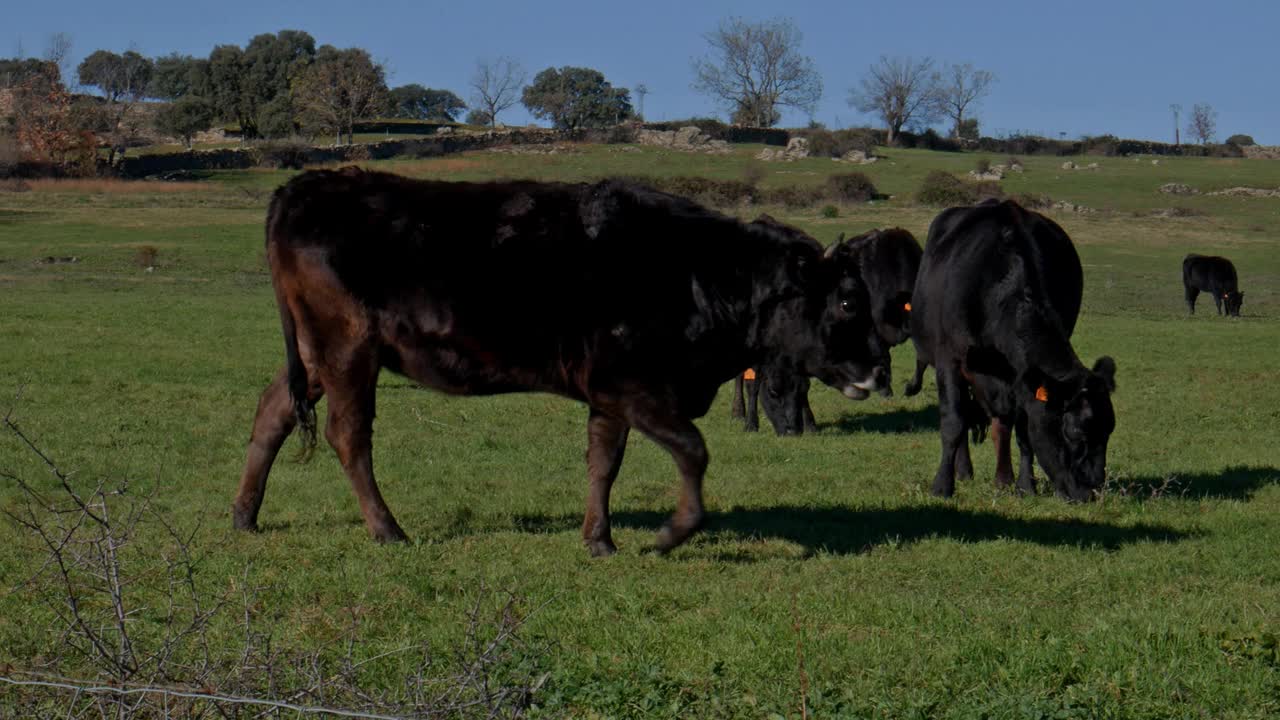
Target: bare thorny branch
(91,579)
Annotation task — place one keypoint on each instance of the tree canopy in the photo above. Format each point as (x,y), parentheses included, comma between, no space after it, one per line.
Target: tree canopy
(576,97)
(416,102)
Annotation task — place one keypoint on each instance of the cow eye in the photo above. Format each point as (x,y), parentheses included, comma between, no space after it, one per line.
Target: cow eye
(848,306)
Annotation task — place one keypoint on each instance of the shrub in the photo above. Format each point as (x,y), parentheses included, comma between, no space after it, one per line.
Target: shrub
(1240,140)
(943,188)
(851,187)
(705,190)
(983,166)
(1033,200)
(824,143)
(753,172)
(796,197)
(146,256)
(830,211)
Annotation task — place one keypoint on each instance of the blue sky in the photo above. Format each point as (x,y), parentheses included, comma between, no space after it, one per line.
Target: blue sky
(1068,67)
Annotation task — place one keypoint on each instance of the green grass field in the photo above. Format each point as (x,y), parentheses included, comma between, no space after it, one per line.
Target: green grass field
(828,582)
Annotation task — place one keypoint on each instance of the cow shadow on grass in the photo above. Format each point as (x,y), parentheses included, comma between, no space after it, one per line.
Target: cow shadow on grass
(851,531)
(923,419)
(1238,482)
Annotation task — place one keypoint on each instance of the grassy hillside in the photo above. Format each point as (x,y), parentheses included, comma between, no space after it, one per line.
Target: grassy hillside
(828,577)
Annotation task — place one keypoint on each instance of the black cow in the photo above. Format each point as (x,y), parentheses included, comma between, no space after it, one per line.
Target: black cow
(637,303)
(887,262)
(1214,275)
(983,315)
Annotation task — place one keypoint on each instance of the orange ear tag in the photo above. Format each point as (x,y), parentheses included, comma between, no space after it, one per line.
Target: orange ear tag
(907,307)
(749,374)
(1042,394)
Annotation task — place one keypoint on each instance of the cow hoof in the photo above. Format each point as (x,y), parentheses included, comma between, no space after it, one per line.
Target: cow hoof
(391,534)
(886,391)
(942,489)
(752,428)
(243,520)
(1003,481)
(911,389)
(673,535)
(601,548)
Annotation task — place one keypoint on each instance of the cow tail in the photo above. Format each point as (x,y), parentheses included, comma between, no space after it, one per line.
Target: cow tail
(303,410)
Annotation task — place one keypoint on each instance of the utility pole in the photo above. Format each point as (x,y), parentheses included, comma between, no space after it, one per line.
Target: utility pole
(1177,139)
(641,91)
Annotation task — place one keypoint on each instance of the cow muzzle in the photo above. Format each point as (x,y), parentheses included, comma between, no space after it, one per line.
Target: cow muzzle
(877,380)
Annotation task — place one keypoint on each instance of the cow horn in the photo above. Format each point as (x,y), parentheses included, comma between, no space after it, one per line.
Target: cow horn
(831,250)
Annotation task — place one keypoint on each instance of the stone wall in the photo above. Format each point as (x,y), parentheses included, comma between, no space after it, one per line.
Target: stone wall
(283,155)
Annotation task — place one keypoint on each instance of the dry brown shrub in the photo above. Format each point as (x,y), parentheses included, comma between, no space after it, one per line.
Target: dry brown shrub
(146,256)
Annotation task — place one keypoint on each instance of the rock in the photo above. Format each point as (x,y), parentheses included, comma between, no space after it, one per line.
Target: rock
(1068,165)
(1247,192)
(688,135)
(857,156)
(1072,207)
(769,154)
(446,130)
(1092,166)
(797,147)
(995,172)
(1156,161)
(1174,188)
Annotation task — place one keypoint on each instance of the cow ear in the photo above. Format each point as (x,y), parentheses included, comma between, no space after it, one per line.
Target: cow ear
(989,361)
(1105,368)
(1042,387)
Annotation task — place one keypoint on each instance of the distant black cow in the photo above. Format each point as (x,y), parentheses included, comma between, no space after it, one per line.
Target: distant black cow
(887,262)
(1214,275)
(983,315)
(638,303)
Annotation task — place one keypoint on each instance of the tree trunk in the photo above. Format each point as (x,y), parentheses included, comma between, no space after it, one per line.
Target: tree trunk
(890,136)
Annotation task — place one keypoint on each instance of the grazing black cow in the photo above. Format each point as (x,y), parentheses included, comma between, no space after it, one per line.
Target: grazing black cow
(637,303)
(1064,287)
(1214,275)
(887,262)
(983,315)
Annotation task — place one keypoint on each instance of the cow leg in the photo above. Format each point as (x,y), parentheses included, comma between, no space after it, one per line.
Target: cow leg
(1217,302)
(1026,475)
(271,426)
(736,408)
(1191,294)
(753,400)
(952,397)
(1000,432)
(964,462)
(917,380)
(810,424)
(350,431)
(681,438)
(606,443)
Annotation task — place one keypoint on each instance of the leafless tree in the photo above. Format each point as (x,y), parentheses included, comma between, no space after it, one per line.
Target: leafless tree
(497,85)
(1203,123)
(959,87)
(57,50)
(339,88)
(640,91)
(898,90)
(755,68)
(1176,109)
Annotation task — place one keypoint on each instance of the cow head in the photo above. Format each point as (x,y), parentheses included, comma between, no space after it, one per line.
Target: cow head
(782,398)
(1233,300)
(1070,422)
(824,329)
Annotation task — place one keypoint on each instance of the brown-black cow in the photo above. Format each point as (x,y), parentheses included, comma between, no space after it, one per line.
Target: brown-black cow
(637,303)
